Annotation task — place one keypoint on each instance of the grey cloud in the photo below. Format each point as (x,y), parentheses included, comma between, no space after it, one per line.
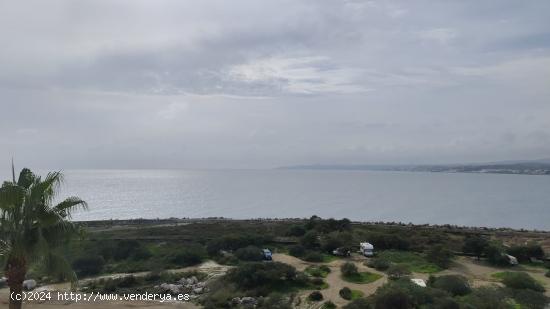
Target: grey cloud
(261,84)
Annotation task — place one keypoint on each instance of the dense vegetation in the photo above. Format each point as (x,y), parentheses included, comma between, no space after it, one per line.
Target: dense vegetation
(400,250)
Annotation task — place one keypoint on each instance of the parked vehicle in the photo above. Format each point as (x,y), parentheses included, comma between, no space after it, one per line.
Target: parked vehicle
(342,251)
(267,254)
(511,259)
(367,249)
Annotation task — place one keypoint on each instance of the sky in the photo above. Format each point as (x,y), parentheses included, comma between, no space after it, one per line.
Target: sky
(261,84)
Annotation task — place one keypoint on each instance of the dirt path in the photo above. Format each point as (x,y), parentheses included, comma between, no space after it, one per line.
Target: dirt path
(334,279)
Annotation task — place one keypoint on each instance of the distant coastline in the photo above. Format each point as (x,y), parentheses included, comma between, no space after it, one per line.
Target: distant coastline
(179,221)
(536,167)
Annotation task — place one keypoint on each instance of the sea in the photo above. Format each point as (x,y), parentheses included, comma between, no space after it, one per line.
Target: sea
(464,199)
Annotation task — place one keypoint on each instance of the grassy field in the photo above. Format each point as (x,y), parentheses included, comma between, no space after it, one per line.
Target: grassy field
(356,294)
(415,262)
(317,271)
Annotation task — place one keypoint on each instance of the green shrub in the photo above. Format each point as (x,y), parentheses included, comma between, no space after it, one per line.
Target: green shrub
(379,264)
(126,248)
(530,299)
(113,285)
(360,303)
(188,256)
(318,271)
(520,280)
(257,274)
(313,256)
(456,285)
(345,293)
(349,269)
(296,230)
(141,253)
(331,242)
(87,266)
(234,242)
(475,245)
(221,295)
(413,261)
(445,303)
(392,297)
(487,298)
(249,253)
(328,305)
(315,296)
(310,240)
(398,271)
(297,250)
(385,241)
(127,281)
(275,301)
(495,255)
(439,255)
(526,252)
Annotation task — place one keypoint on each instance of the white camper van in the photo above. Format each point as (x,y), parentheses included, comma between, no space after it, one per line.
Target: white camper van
(367,249)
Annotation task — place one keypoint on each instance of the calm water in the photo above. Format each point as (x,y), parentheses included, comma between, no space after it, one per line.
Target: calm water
(466,199)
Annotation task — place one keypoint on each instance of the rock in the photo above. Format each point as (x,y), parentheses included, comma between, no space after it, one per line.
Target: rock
(194,280)
(249,301)
(29,284)
(198,290)
(200,284)
(236,301)
(172,288)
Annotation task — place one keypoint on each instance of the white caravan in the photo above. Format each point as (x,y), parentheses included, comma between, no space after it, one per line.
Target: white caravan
(367,249)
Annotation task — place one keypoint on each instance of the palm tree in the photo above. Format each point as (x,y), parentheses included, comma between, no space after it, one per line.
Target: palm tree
(32,229)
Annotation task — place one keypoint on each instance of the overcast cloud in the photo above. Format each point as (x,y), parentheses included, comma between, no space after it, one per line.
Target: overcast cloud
(246,84)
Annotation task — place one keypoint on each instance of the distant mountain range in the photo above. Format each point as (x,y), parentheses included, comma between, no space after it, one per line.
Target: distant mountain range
(525,167)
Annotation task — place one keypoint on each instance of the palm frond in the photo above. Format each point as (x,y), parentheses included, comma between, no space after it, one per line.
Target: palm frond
(70,204)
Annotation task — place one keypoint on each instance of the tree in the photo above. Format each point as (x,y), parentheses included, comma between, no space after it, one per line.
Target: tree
(348,269)
(495,255)
(315,296)
(32,229)
(296,230)
(310,240)
(297,250)
(392,297)
(526,252)
(359,303)
(397,271)
(455,285)
(439,255)
(475,245)
(345,293)
(250,253)
(88,265)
